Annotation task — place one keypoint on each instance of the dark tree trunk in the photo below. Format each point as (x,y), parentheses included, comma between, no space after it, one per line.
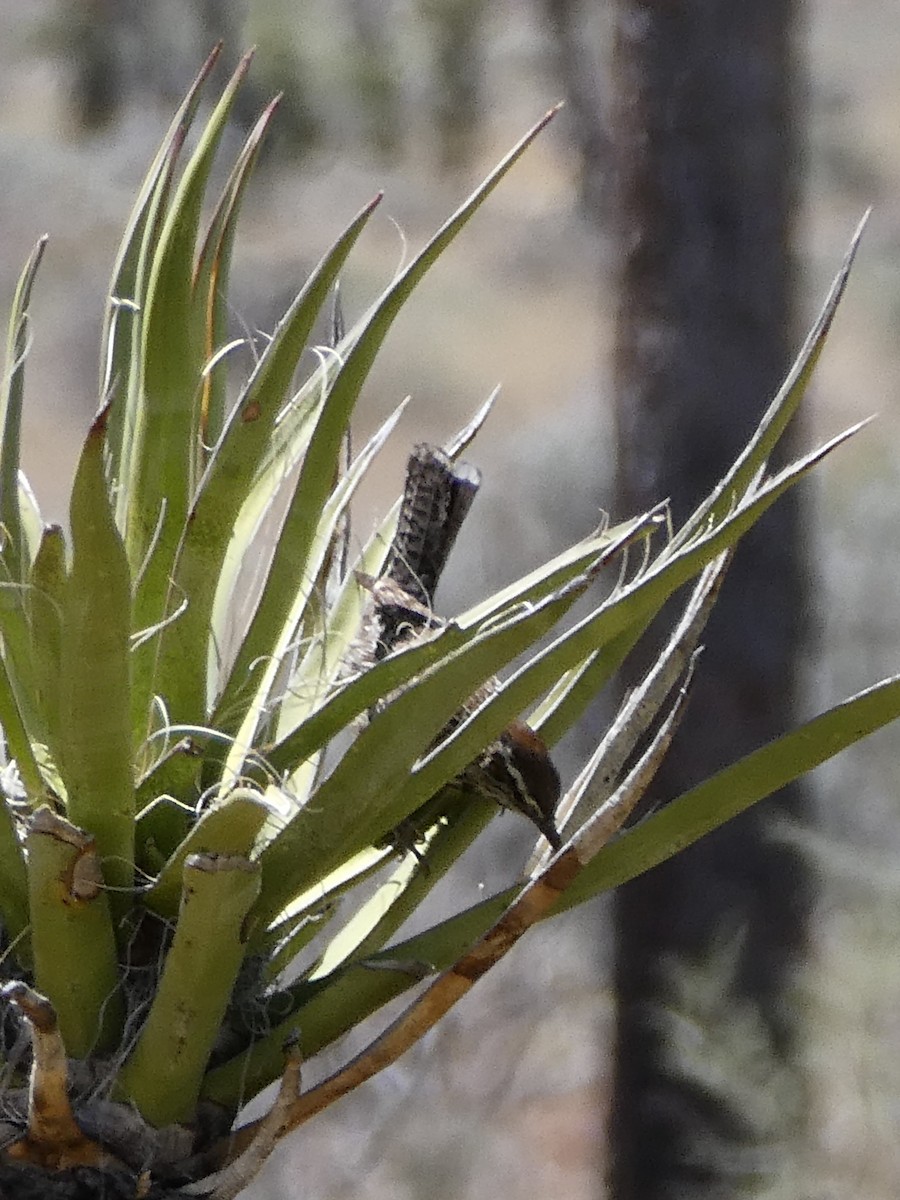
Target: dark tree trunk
(577,43)
(705,157)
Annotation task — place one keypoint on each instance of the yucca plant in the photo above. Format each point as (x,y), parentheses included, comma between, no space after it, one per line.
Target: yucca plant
(207,783)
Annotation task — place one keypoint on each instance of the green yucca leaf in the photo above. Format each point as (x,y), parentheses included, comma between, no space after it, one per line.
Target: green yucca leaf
(597,669)
(737,787)
(72,937)
(30,513)
(166,440)
(331,1011)
(17,736)
(163,1075)
(569,698)
(13,879)
(165,464)
(46,598)
(121,340)
(230,827)
(379,918)
(15,558)
(212,277)
(96,753)
(637,721)
(323,899)
(286,952)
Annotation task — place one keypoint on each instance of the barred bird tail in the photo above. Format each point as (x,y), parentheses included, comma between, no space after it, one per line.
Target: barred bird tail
(436,500)
(516,770)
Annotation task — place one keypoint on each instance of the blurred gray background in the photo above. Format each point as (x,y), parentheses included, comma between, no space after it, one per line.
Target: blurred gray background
(508,1097)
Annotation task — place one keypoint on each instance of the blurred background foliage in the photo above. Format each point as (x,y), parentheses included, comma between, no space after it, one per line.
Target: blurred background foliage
(510,1096)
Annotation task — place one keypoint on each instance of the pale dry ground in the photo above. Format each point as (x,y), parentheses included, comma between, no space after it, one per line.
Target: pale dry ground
(506,1099)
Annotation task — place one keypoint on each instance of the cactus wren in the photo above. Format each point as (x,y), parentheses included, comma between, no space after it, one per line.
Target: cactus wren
(516,770)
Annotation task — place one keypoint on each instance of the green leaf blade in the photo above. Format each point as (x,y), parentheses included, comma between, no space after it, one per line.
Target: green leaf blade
(15,556)
(166,440)
(734,789)
(95,698)
(126,297)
